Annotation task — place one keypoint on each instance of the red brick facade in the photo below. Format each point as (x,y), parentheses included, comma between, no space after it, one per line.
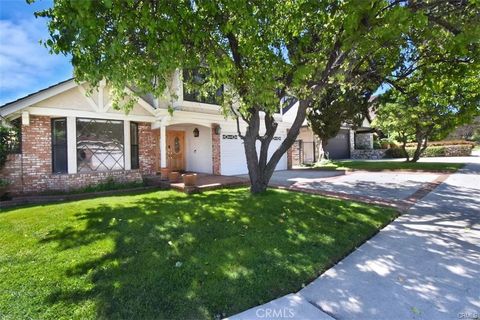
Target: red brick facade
(216,156)
(149,149)
(294,155)
(31,171)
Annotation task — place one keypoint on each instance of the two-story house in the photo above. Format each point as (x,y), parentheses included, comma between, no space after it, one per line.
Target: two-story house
(71,138)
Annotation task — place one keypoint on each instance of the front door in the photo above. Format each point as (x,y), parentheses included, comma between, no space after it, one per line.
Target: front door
(176,150)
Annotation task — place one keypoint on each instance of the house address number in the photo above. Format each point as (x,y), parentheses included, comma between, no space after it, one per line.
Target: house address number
(234,137)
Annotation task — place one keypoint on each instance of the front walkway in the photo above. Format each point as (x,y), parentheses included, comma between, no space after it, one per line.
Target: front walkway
(424,265)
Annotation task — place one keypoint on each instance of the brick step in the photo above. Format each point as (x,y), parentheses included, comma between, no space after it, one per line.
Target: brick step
(156,181)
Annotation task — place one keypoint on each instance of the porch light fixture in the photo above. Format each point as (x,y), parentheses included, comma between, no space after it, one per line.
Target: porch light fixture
(196,133)
(218,130)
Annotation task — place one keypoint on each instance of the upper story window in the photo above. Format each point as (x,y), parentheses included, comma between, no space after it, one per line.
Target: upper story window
(192,80)
(100,145)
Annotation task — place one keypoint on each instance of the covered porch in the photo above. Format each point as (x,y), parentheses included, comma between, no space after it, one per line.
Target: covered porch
(190,147)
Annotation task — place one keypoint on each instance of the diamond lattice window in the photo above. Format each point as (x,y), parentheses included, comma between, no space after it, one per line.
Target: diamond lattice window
(99,145)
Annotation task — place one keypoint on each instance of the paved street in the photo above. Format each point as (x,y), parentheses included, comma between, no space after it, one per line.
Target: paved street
(424,265)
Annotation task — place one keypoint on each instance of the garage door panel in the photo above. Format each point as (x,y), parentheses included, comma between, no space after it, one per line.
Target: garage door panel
(339,146)
(233,159)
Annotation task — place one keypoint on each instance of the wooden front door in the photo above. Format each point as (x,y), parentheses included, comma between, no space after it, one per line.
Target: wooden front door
(176,150)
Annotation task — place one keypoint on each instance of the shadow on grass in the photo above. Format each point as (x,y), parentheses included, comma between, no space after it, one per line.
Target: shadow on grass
(207,255)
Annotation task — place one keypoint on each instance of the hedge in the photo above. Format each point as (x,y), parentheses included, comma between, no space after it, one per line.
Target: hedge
(458,150)
(443,143)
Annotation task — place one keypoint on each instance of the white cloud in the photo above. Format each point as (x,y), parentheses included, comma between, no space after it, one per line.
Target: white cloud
(25,64)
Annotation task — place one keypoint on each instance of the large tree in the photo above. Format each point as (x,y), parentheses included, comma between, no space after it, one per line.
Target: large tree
(262,50)
(421,111)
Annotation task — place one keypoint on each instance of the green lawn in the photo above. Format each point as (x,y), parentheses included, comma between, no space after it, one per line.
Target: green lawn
(388,165)
(164,254)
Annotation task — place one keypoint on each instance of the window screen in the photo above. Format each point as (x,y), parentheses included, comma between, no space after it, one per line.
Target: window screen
(99,145)
(193,79)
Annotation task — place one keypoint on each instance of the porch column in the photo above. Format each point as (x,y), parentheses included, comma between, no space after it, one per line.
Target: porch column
(216,155)
(127,148)
(163,145)
(71,145)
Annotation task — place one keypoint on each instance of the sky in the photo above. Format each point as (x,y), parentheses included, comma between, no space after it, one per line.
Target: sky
(26,66)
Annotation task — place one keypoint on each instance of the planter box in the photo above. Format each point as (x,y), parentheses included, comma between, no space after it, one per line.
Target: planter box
(164,172)
(173,176)
(190,179)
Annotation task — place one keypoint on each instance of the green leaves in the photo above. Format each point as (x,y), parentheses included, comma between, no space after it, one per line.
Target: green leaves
(265,50)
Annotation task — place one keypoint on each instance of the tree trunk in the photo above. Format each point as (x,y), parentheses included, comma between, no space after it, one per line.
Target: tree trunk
(421,146)
(404,148)
(260,168)
(324,146)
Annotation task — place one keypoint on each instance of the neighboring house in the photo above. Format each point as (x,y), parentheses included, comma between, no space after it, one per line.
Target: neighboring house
(71,139)
(308,147)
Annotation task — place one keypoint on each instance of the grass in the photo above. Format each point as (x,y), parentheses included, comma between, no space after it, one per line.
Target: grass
(164,254)
(389,165)
(476,148)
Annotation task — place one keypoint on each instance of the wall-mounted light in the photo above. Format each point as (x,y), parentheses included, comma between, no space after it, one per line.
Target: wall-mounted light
(196,133)
(218,130)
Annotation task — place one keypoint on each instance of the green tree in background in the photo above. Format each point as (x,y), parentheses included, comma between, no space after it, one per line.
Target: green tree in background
(431,104)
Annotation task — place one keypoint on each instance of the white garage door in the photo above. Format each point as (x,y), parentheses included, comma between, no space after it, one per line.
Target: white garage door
(233,160)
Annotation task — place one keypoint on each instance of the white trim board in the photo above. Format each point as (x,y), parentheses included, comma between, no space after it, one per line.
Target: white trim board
(37,97)
(55,112)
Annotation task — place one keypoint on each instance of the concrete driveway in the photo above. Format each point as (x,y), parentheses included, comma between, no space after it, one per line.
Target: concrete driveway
(424,265)
(382,186)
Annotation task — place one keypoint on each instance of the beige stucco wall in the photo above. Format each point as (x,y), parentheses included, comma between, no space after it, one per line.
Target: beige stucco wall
(74,99)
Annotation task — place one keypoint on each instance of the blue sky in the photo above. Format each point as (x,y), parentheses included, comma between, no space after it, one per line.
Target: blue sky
(25,65)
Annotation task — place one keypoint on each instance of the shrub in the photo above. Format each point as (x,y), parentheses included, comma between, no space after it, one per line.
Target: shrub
(395,153)
(384,143)
(433,151)
(108,185)
(4,183)
(9,142)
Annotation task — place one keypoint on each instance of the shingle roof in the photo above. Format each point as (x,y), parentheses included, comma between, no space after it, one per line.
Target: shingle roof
(34,93)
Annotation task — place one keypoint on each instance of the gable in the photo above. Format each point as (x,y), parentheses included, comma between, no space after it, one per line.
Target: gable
(70,99)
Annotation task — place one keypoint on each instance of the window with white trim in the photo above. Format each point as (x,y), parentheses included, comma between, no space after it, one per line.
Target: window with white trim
(100,145)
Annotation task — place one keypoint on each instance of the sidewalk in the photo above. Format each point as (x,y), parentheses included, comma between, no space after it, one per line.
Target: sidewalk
(424,265)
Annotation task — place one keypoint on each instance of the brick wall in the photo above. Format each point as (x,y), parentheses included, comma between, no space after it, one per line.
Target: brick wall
(66,182)
(294,155)
(216,155)
(37,162)
(149,148)
(12,171)
(37,154)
